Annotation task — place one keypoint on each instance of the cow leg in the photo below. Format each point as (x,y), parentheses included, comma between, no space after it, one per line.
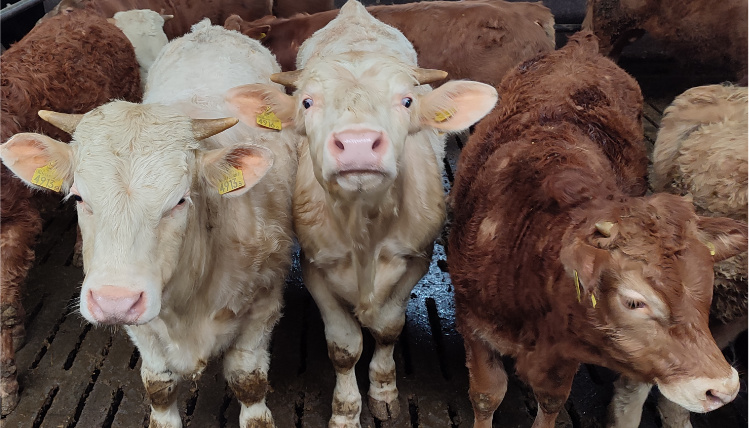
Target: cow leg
(551,384)
(246,363)
(8,381)
(487,380)
(672,414)
(386,324)
(625,409)
(344,338)
(161,387)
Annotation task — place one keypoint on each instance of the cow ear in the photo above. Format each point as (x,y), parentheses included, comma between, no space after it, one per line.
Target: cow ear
(457,105)
(40,161)
(585,262)
(261,105)
(234,171)
(724,237)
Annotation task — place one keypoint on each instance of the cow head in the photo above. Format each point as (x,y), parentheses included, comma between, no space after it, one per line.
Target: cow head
(644,267)
(356,106)
(137,173)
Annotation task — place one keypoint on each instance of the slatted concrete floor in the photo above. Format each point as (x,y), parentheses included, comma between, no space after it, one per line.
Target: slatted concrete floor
(73,375)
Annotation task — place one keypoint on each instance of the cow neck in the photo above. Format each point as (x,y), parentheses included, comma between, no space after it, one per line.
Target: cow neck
(365,222)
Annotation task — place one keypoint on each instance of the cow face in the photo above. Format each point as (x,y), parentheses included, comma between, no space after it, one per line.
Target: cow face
(648,265)
(137,174)
(357,109)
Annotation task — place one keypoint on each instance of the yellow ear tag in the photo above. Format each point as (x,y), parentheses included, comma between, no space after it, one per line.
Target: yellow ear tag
(593,299)
(577,285)
(711,247)
(232,181)
(262,36)
(47,177)
(268,119)
(443,115)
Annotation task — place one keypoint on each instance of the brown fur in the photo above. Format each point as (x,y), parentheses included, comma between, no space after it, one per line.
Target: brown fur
(562,151)
(701,31)
(476,40)
(289,8)
(70,64)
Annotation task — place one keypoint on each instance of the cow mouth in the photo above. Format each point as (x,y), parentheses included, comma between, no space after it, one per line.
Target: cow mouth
(359,171)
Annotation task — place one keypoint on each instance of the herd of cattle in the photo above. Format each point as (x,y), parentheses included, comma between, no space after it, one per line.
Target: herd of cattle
(196,163)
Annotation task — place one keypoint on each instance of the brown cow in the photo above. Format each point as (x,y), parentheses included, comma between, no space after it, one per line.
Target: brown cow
(476,40)
(187,12)
(72,64)
(557,258)
(700,31)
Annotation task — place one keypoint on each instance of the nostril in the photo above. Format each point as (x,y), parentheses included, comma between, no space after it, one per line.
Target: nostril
(376,144)
(339,144)
(714,396)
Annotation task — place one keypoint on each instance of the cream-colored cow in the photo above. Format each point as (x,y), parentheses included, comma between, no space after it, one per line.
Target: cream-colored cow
(368,199)
(189,271)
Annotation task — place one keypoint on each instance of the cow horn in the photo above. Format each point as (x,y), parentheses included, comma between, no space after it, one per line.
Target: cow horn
(604,227)
(286,78)
(428,75)
(166,17)
(204,128)
(64,121)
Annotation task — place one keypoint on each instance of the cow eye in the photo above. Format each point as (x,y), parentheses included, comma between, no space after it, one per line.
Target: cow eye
(77,198)
(181,201)
(635,304)
(307,103)
(406,102)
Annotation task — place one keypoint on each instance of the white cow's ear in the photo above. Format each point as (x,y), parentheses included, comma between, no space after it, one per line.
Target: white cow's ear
(259,104)
(457,105)
(40,161)
(233,171)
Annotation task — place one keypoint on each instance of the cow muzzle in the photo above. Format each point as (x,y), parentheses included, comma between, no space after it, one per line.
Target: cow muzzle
(703,394)
(110,304)
(359,151)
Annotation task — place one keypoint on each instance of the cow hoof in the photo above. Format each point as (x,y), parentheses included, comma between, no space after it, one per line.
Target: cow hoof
(383,410)
(8,396)
(260,423)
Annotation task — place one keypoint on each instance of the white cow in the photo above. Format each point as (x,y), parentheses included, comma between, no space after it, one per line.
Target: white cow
(145,30)
(190,272)
(368,201)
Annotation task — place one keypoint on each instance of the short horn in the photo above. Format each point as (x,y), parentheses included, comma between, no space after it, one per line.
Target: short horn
(166,17)
(286,78)
(604,228)
(64,121)
(428,75)
(204,128)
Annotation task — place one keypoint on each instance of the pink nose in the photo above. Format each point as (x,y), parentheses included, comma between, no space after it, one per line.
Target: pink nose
(358,150)
(116,305)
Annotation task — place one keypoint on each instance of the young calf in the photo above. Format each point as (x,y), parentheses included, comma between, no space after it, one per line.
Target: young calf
(557,258)
(368,201)
(186,236)
(701,153)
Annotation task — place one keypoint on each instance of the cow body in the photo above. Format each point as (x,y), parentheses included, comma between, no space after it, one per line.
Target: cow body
(190,272)
(38,73)
(557,258)
(368,200)
(701,153)
(145,30)
(701,32)
(476,40)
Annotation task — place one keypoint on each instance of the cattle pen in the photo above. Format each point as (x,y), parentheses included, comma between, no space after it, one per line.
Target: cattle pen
(75,375)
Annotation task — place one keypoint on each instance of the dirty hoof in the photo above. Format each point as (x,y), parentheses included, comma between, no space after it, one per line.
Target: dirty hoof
(384,411)
(8,396)
(260,423)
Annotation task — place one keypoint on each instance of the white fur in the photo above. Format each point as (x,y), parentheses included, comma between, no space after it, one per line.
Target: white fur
(145,30)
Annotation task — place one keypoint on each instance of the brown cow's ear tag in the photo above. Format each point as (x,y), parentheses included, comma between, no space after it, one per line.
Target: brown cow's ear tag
(268,119)
(232,181)
(711,247)
(577,284)
(443,115)
(47,177)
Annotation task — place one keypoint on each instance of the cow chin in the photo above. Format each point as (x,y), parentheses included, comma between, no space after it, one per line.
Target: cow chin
(361,181)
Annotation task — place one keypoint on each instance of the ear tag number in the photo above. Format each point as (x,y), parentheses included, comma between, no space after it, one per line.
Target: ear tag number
(268,119)
(232,181)
(47,177)
(443,115)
